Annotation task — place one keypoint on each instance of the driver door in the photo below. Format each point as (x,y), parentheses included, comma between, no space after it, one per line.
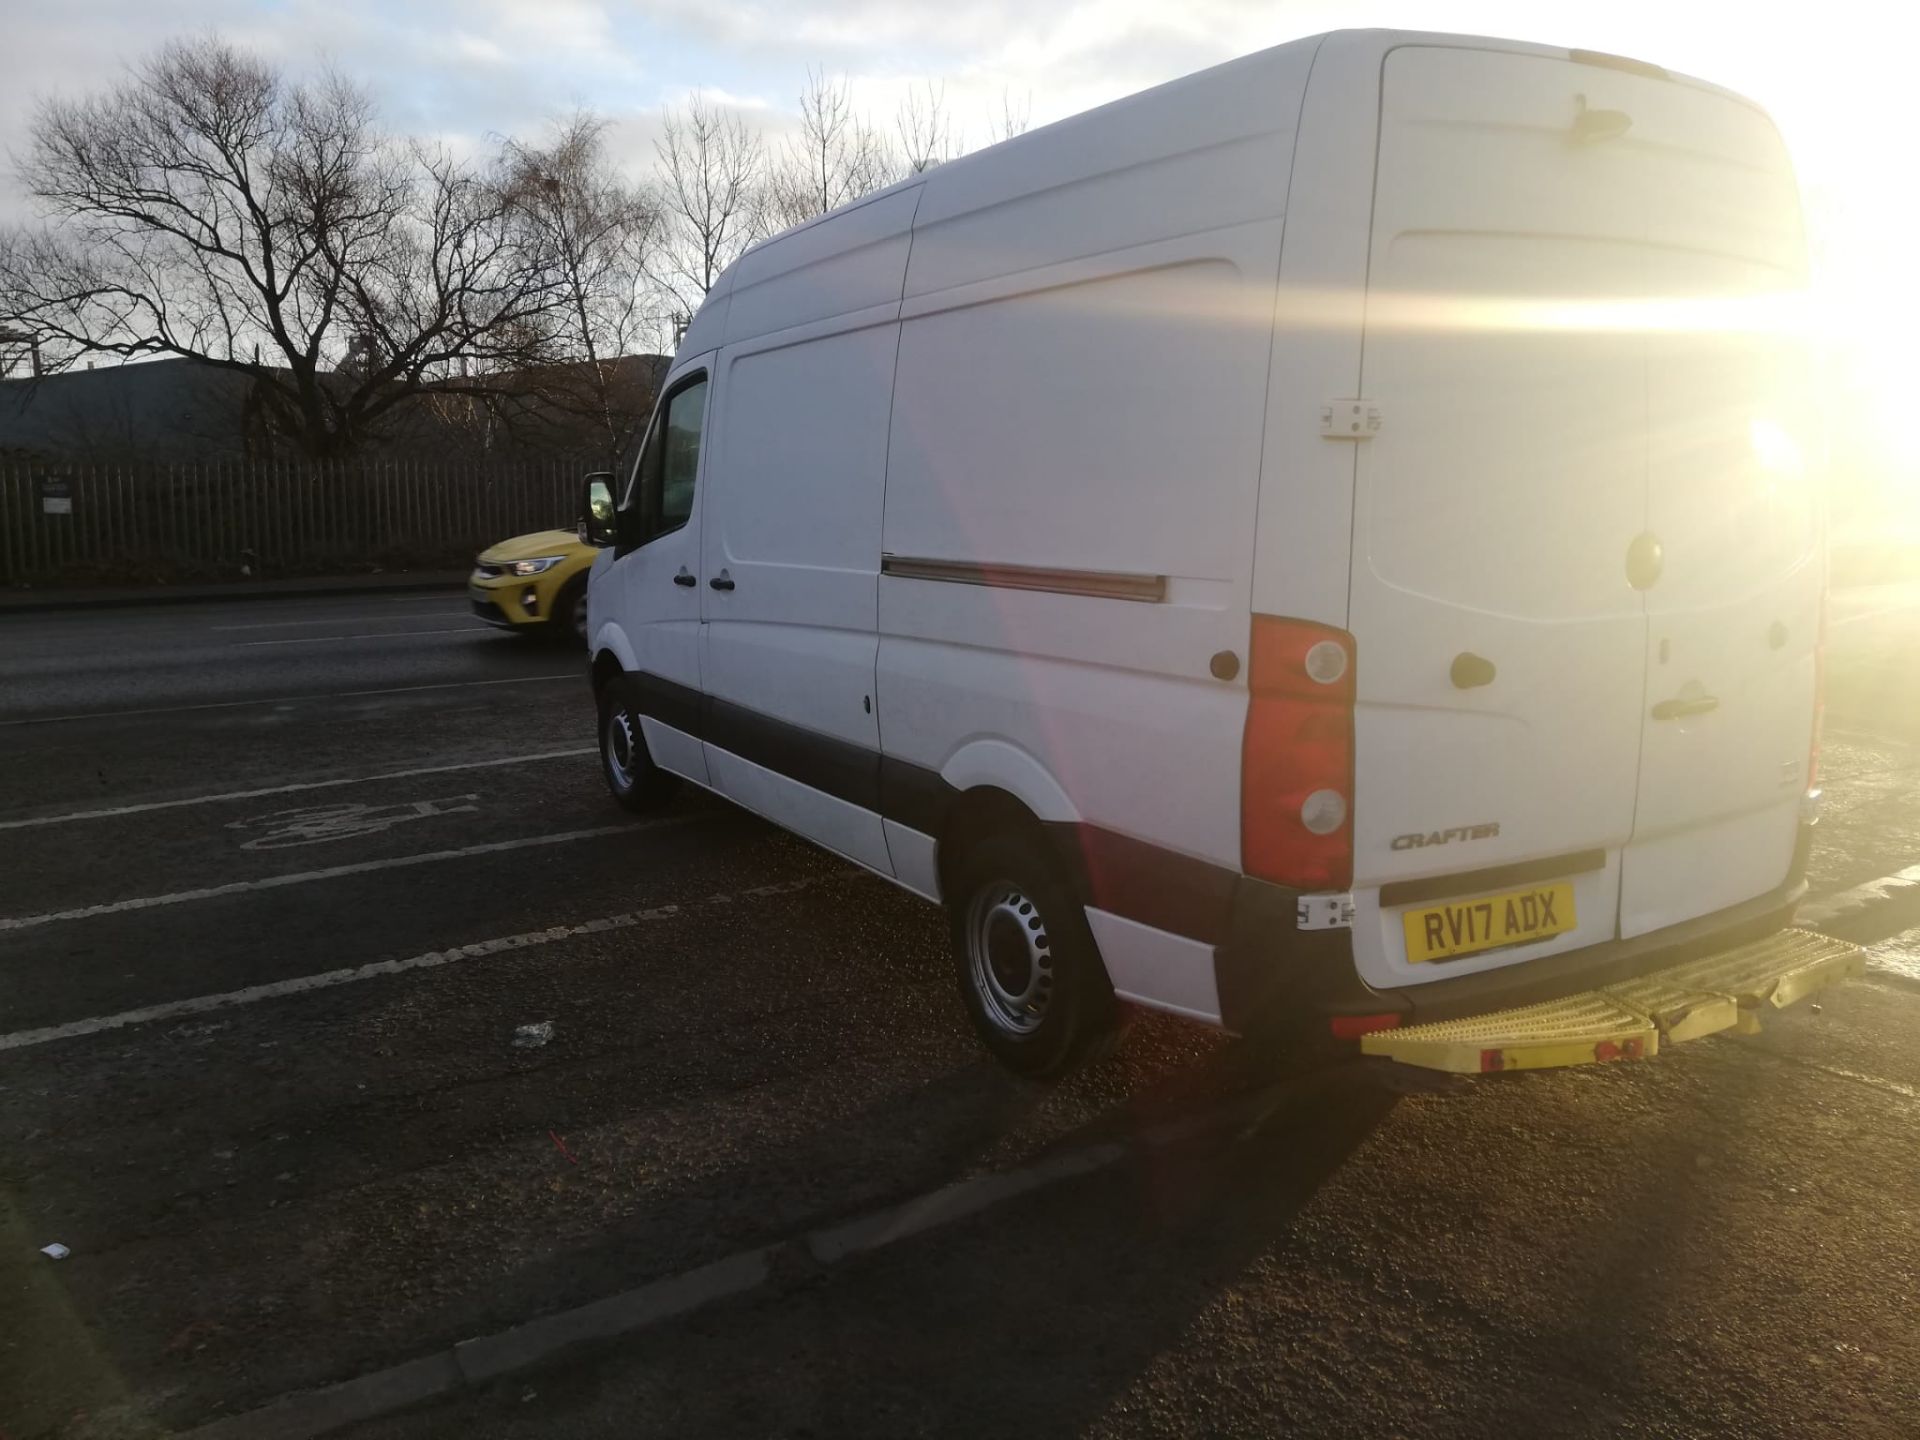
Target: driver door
(656,567)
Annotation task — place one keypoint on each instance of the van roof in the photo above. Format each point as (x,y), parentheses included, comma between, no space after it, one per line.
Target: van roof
(1145,125)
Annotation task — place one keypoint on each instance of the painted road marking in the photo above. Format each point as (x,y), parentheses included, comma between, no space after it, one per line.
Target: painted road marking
(319,824)
(119,810)
(573,675)
(327,979)
(383,635)
(307,877)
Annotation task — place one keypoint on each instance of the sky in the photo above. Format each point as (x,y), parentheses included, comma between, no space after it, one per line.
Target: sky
(1837,77)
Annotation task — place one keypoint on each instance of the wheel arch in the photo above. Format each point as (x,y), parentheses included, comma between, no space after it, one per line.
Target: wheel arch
(1002,765)
(612,654)
(996,785)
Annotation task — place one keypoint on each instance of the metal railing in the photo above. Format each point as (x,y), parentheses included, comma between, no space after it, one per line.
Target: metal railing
(89,523)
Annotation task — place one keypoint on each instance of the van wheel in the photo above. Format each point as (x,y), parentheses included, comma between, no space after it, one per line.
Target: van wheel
(1029,972)
(632,777)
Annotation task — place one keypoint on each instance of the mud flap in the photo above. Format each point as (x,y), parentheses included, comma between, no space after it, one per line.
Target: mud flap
(1729,990)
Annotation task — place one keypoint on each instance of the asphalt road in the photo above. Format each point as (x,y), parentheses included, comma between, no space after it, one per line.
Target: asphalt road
(280,879)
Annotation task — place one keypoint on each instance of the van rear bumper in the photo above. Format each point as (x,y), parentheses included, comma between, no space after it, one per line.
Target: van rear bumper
(1268,971)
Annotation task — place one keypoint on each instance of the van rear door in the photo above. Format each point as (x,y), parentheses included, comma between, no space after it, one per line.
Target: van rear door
(1501,649)
(1565,545)
(1731,455)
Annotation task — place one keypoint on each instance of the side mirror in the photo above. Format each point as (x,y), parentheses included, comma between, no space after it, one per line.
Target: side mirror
(598,524)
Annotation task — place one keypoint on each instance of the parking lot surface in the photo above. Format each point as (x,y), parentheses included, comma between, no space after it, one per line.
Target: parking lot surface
(283,882)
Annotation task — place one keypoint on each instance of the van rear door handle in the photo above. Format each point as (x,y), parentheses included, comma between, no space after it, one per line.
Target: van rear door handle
(1692,705)
(685,577)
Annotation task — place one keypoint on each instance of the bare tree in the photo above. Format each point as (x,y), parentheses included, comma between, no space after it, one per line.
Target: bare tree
(207,208)
(19,350)
(1012,119)
(711,196)
(836,157)
(926,132)
(602,234)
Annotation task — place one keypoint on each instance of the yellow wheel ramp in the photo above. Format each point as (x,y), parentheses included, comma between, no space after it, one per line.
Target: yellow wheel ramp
(1728,990)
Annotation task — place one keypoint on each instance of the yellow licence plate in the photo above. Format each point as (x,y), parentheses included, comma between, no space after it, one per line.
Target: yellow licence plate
(1466,927)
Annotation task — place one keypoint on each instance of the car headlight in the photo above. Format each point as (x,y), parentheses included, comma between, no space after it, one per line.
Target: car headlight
(534,567)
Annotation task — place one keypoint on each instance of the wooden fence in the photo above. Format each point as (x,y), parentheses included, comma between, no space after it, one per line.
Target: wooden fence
(83,523)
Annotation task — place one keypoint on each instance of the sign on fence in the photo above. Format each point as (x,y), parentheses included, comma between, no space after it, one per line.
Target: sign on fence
(56,495)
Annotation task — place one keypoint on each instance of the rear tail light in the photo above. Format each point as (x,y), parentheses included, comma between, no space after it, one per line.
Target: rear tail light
(1296,771)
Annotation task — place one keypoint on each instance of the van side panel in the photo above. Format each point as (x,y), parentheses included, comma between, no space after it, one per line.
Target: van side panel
(792,543)
(1109,430)
(795,522)
(709,324)
(844,262)
(1200,153)
(1071,486)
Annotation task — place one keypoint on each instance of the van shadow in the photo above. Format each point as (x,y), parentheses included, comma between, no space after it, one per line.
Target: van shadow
(1032,1317)
(1073,1299)
(910,1139)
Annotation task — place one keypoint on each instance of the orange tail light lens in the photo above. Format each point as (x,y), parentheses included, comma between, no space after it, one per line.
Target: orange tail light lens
(1296,773)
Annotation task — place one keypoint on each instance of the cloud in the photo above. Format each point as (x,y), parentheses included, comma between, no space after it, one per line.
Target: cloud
(727,100)
(448,68)
(477,49)
(438,68)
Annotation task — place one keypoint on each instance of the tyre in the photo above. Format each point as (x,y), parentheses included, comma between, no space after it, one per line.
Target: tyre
(568,623)
(1029,971)
(632,777)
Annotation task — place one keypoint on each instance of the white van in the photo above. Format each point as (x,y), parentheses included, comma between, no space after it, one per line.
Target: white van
(1334,535)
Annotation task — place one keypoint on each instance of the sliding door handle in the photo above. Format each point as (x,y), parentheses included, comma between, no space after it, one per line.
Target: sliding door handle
(722,581)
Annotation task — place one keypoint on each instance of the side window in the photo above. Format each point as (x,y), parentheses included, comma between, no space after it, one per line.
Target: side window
(680,457)
(661,498)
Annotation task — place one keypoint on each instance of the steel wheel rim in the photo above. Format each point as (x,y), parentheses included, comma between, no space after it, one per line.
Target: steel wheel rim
(1009,958)
(622,744)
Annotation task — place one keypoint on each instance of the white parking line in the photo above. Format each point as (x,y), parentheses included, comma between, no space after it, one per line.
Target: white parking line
(199,1005)
(119,810)
(379,635)
(332,872)
(326,980)
(573,675)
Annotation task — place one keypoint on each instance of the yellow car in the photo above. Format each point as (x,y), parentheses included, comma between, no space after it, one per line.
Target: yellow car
(535,584)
